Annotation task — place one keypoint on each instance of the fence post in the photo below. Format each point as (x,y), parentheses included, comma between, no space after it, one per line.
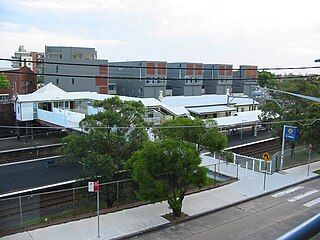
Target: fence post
(118,194)
(74,201)
(253,163)
(215,174)
(238,169)
(21,213)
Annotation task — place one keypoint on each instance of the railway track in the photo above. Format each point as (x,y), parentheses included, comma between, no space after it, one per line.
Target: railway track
(258,148)
(37,202)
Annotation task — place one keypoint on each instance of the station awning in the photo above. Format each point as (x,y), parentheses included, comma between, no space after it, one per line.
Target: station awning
(210,109)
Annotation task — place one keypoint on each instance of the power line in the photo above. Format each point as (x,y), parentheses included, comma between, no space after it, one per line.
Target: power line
(112,65)
(300,122)
(155,78)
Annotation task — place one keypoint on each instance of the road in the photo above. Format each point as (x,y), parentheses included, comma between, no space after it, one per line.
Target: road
(24,175)
(267,217)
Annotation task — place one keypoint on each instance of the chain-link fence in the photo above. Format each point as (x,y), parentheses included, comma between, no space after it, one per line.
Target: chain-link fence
(68,204)
(293,157)
(63,204)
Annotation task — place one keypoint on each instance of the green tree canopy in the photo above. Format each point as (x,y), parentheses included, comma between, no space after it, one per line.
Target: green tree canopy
(109,138)
(284,107)
(266,79)
(203,133)
(312,127)
(165,169)
(4,82)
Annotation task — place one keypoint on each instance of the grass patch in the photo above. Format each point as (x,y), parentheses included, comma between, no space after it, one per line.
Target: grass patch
(317,171)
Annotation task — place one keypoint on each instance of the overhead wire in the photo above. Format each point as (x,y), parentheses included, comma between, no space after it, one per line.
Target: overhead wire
(300,122)
(116,65)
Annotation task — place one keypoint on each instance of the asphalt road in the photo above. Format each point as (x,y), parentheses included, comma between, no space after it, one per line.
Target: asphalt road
(267,217)
(25,175)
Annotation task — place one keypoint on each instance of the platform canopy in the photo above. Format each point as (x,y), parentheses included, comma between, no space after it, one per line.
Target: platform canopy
(210,109)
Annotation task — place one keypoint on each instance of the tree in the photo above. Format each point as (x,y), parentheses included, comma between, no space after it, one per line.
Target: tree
(165,169)
(291,108)
(108,140)
(203,133)
(4,82)
(312,126)
(266,79)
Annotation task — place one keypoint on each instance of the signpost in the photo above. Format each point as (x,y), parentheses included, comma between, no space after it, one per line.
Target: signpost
(309,158)
(94,187)
(266,157)
(288,133)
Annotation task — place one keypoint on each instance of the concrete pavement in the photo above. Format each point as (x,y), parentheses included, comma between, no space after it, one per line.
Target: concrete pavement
(131,221)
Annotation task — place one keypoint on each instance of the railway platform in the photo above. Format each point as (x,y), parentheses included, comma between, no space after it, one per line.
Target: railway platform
(130,222)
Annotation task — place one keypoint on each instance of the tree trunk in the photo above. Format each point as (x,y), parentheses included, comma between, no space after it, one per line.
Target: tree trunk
(175,203)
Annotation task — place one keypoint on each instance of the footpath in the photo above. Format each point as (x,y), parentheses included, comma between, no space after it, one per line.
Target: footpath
(132,221)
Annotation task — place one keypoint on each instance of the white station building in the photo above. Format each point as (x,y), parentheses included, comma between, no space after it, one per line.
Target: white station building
(52,106)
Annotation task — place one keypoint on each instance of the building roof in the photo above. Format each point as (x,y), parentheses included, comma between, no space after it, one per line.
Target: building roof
(206,100)
(8,69)
(176,105)
(250,117)
(211,109)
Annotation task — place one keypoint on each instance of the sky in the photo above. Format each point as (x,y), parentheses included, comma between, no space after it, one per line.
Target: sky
(273,33)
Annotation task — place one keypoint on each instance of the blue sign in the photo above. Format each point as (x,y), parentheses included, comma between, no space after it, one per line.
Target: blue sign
(290,132)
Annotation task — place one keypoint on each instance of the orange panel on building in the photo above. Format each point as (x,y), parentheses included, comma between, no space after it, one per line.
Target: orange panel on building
(151,68)
(221,70)
(229,70)
(190,69)
(162,69)
(101,81)
(251,72)
(103,69)
(199,69)
(103,90)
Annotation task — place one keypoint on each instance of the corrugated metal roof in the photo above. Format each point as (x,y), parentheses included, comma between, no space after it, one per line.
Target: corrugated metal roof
(242,118)
(211,109)
(206,100)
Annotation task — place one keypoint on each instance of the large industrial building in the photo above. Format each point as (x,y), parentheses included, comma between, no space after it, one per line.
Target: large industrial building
(217,78)
(139,78)
(76,69)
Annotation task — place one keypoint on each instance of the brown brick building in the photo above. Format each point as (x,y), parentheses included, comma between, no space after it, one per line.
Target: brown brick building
(22,80)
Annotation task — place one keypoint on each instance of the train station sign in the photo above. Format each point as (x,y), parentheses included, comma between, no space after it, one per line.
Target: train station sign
(290,132)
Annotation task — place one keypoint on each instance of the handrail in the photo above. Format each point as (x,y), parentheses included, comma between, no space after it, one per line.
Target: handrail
(305,230)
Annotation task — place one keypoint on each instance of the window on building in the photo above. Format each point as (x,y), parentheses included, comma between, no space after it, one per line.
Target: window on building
(57,69)
(110,87)
(72,81)
(242,109)
(57,81)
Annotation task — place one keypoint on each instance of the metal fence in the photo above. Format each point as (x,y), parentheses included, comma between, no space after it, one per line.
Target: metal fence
(62,204)
(69,204)
(253,164)
(294,157)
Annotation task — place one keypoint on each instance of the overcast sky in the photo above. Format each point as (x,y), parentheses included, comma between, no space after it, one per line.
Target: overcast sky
(273,33)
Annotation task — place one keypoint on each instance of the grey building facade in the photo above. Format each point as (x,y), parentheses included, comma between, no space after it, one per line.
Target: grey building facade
(185,78)
(217,78)
(91,75)
(139,78)
(245,80)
